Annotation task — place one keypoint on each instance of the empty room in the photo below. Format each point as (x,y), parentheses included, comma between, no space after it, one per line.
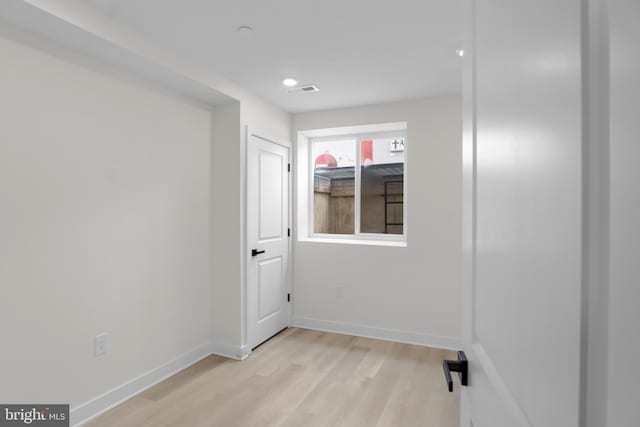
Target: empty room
(293,213)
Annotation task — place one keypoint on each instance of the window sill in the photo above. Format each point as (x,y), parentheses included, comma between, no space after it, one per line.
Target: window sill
(365,242)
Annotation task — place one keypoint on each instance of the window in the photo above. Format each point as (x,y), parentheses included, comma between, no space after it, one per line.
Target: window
(358,186)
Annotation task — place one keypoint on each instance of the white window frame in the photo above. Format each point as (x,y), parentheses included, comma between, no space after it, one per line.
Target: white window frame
(358,235)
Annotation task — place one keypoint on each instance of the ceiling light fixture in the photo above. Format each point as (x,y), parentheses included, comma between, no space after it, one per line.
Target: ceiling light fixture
(289,82)
(460,52)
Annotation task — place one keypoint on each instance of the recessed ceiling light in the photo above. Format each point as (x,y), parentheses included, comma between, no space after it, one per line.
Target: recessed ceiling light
(289,82)
(460,52)
(245,29)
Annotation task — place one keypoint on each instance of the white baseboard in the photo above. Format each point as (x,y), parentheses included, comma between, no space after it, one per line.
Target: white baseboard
(86,411)
(245,351)
(405,337)
(230,351)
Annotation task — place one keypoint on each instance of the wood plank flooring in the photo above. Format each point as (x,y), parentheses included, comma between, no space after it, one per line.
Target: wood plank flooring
(301,378)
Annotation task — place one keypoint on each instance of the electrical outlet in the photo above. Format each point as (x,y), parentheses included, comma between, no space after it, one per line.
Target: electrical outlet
(101,344)
(340,293)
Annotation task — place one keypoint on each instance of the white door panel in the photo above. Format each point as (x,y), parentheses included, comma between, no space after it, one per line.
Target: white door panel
(271,166)
(495,405)
(270,288)
(523,213)
(268,271)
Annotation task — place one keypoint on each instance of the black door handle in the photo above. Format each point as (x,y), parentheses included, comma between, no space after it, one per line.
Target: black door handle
(255,252)
(461,366)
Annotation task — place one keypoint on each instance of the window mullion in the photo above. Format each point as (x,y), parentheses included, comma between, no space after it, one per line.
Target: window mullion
(356,190)
(312,179)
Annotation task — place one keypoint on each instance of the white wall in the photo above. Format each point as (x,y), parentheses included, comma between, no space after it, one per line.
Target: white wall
(413,290)
(104,225)
(228,203)
(78,23)
(226,224)
(624,290)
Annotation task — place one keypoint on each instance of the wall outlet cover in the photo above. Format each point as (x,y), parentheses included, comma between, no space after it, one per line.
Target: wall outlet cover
(101,344)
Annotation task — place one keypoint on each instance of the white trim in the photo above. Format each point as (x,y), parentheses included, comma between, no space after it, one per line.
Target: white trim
(231,351)
(302,226)
(358,134)
(292,200)
(596,108)
(395,335)
(251,131)
(372,238)
(352,241)
(244,351)
(352,130)
(468,196)
(86,411)
(357,187)
(92,408)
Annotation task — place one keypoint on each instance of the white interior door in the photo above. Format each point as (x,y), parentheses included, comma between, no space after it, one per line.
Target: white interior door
(523,213)
(268,278)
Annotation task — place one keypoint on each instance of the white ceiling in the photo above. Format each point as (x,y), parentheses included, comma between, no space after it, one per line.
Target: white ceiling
(356,51)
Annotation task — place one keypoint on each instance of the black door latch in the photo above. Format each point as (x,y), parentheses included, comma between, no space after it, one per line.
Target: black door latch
(461,366)
(255,252)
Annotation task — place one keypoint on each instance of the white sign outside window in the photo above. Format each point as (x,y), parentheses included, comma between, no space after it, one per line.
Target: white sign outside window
(396,144)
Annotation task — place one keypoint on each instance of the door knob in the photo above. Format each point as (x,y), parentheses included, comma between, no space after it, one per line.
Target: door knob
(255,252)
(461,366)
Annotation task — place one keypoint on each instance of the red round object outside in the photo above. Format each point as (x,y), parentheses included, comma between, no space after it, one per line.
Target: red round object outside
(326,160)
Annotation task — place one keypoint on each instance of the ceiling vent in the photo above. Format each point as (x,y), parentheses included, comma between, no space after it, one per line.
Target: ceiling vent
(305,88)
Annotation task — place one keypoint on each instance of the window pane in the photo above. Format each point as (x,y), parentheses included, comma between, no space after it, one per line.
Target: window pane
(333,186)
(382,185)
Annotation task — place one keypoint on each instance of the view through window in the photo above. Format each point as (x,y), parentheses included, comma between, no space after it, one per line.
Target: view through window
(359,184)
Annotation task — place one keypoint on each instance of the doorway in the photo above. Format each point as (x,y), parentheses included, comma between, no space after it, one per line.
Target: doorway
(268,237)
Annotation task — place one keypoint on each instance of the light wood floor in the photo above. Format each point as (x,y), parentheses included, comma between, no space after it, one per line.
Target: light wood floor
(302,378)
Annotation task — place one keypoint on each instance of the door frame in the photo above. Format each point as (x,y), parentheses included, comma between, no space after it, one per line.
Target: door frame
(249,132)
